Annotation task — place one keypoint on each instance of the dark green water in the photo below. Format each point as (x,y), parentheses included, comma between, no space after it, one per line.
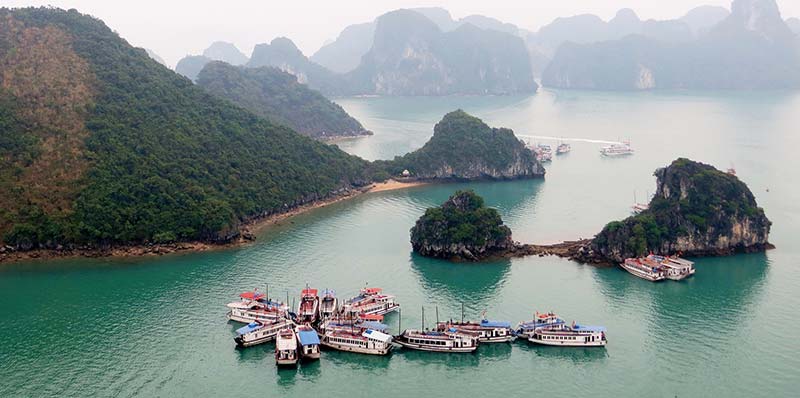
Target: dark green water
(156,326)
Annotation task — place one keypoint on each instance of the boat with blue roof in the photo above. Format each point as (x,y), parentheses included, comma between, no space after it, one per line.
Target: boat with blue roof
(370,300)
(307,342)
(255,333)
(256,307)
(450,340)
(574,335)
(368,337)
(486,331)
(543,320)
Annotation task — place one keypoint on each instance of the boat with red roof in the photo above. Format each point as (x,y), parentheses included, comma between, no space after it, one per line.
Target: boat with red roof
(540,320)
(255,306)
(309,306)
(570,336)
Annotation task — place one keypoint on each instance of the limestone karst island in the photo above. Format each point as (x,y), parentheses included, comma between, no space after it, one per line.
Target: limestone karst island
(292,199)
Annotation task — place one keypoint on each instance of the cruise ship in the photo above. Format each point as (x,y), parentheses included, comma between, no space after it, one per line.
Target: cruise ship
(570,336)
(255,333)
(620,149)
(645,269)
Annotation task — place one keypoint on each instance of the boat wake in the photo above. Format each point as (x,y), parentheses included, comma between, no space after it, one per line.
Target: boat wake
(545,137)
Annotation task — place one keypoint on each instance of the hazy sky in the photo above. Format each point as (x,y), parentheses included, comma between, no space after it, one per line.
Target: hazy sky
(176,28)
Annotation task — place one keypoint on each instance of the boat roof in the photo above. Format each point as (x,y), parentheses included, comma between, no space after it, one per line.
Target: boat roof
(329,292)
(308,337)
(249,328)
(252,295)
(374,325)
(374,334)
(309,292)
(495,324)
(371,290)
(589,328)
(371,317)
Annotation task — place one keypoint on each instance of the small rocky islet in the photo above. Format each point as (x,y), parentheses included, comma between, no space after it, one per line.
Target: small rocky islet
(697,211)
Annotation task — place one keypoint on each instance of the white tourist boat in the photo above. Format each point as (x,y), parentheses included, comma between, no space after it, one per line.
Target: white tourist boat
(362,321)
(307,342)
(675,268)
(543,152)
(254,306)
(447,341)
(486,331)
(370,301)
(362,341)
(543,320)
(286,348)
(570,336)
(329,304)
(620,149)
(308,311)
(260,332)
(645,269)
(563,148)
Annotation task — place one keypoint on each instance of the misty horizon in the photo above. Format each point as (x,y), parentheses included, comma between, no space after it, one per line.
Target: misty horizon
(192,28)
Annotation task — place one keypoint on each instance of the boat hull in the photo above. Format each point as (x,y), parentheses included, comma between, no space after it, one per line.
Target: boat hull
(642,274)
(425,347)
(286,363)
(497,339)
(359,350)
(568,343)
(249,343)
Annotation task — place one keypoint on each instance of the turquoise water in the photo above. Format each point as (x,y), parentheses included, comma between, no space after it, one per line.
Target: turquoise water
(156,326)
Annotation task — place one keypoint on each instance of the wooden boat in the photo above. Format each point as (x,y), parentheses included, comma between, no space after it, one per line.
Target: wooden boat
(307,342)
(286,348)
(543,320)
(329,304)
(447,341)
(362,341)
(260,332)
(486,331)
(570,336)
(309,306)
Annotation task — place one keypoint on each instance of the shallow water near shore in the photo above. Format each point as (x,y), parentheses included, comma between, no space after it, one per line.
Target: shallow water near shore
(156,326)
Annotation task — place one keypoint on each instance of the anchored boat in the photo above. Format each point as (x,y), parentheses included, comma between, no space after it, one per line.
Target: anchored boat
(255,306)
(329,303)
(307,342)
(370,301)
(644,268)
(570,336)
(543,320)
(485,331)
(260,332)
(447,341)
(675,268)
(286,348)
(363,341)
(309,306)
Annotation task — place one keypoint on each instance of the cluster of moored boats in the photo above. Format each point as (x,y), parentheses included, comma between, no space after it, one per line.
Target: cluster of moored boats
(356,325)
(656,268)
(544,153)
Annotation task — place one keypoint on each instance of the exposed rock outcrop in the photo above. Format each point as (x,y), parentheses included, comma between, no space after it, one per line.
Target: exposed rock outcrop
(462,228)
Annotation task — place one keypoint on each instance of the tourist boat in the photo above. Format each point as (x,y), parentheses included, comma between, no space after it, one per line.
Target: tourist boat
(286,348)
(254,306)
(570,336)
(543,320)
(563,148)
(370,301)
(486,331)
(362,321)
(620,149)
(309,306)
(307,342)
(675,268)
(447,341)
(362,341)
(543,152)
(260,332)
(329,304)
(644,268)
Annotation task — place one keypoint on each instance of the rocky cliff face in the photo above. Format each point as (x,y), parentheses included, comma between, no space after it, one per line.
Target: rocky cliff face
(697,210)
(462,228)
(465,148)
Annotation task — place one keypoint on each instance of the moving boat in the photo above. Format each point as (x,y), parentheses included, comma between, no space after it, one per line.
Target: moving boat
(286,348)
(255,306)
(570,336)
(363,341)
(675,268)
(329,304)
(486,331)
(543,320)
(563,148)
(620,149)
(260,332)
(307,342)
(370,301)
(447,341)
(644,268)
(309,306)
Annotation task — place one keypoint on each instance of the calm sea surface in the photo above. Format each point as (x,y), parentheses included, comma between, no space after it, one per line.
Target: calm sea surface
(156,326)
